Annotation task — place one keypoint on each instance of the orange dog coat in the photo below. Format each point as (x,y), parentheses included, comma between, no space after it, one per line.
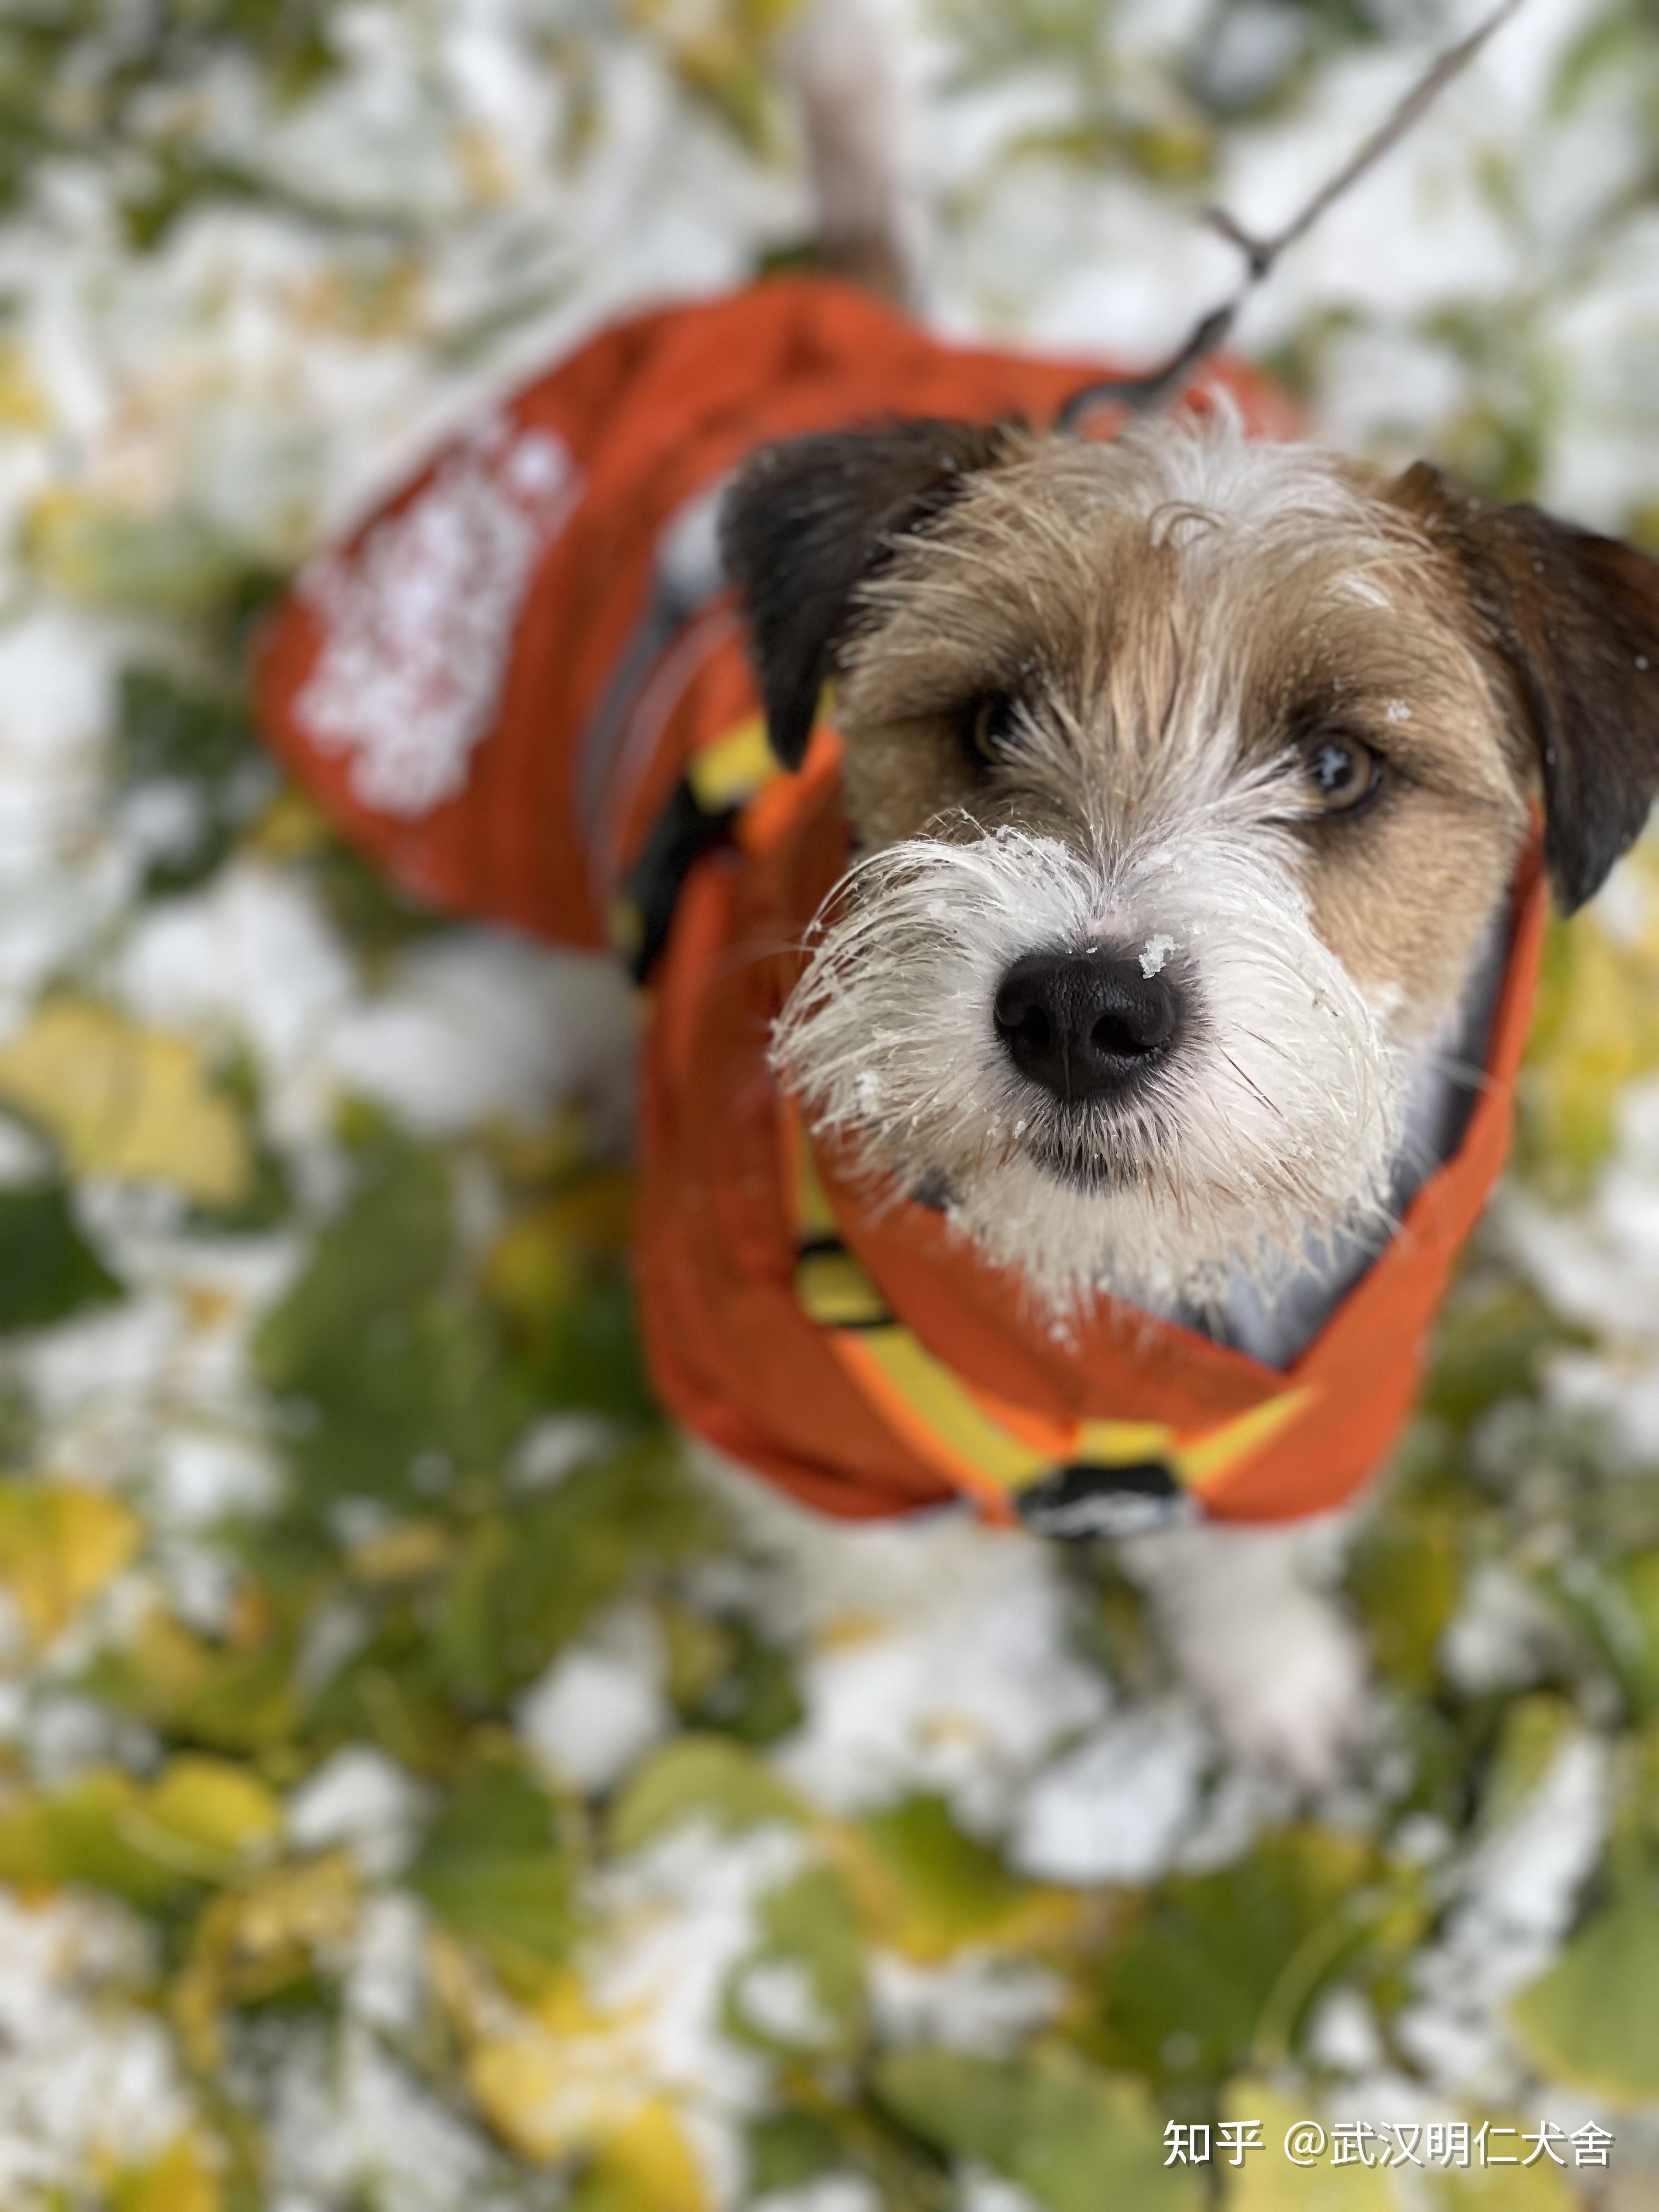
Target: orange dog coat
(522,689)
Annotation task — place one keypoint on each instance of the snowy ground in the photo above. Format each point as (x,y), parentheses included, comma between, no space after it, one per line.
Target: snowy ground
(417,1790)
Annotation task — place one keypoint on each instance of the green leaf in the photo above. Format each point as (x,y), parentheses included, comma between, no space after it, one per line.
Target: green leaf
(391,1693)
(382,1370)
(47,1269)
(1217,1970)
(754,1695)
(560,1280)
(179,180)
(421,1386)
(1530,1736)
(529,1576)
(90,1832)
(387,1249)
(203,746)
(698,1778)
(498,1867)
(1592,2020)
(1637,1581)
(363,904)
(930,1889)
(1075,2138)
(176,563)
(590,1350)
(788,2148)
(1491,1337)
(1406,1579)
(226,1697)
(801,1990)
(169,730)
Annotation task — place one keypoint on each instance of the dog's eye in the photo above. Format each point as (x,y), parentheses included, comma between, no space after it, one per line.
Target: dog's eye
(989,730)
(1343,772)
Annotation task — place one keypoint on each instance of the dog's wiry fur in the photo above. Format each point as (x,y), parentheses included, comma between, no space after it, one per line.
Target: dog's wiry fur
(1172,616)
(1173,619)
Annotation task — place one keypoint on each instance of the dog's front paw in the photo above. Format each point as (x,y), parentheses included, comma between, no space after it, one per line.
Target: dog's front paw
(1277,1666)
(1286,1691)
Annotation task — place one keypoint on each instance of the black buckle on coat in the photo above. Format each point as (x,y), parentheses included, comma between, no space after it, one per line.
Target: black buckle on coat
(1086,1499)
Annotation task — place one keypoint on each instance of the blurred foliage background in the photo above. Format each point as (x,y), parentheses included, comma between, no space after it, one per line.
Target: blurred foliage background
(418,1787)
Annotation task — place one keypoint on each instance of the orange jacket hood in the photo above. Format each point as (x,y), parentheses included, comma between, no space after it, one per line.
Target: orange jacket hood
(520,688)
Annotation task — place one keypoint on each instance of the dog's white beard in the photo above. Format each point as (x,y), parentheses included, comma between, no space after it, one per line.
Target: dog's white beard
(1267,1132)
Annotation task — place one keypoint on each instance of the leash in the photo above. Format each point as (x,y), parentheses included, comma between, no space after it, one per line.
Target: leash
(1160,387)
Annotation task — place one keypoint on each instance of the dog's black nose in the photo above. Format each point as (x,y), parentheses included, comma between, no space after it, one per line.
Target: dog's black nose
(1084,1023)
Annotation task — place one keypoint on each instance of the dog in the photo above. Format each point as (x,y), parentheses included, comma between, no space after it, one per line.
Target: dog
(1070,1078)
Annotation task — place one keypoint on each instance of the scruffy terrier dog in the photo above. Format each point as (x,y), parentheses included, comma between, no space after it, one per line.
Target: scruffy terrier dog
(1188,778)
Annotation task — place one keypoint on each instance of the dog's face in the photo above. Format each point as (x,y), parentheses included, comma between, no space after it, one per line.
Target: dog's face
(1187,774)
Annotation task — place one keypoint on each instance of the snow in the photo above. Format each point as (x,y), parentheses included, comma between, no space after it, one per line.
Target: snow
(985,2002)
(252,955)
(360,1801)
(81,2079)
(830,2192)
(600,1706)
(675,1922)
(360,2124)
(1115,1808)
(776,1996)
(966,1689)
(480,1026)
(1515,1902)
(262,376)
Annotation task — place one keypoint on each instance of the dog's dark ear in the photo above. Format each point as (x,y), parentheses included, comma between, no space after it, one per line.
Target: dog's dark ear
(1574,620)
(807,521)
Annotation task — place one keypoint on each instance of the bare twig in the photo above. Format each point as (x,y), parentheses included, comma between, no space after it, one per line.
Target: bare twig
(1162,384)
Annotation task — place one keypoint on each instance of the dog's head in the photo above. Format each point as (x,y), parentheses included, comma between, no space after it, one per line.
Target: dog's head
(1187,774)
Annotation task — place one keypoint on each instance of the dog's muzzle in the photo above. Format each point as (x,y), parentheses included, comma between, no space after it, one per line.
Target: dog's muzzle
(1086,1025)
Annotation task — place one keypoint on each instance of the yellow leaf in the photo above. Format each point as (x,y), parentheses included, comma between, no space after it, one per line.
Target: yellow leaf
(173,1664)
(553,2079)
(126,1102)
(699,1650)
(142,1842)
(404,1553)
(1597,1029)
(553,1150)
(253,1942)
(22,403)
(923,1889)
(533,2094)
(214,1803)
(59,1546)
(369,298)
(1540,2188)
(488,176)
(647,2165)
(1268,2180)
(542,1260)
(554,2096)
(293,826)
(560,2079)
(182,2179)
(94,549)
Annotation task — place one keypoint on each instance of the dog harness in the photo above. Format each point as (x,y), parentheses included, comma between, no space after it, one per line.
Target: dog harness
(521,689)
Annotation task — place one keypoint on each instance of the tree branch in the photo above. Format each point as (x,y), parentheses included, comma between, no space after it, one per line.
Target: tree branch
(1142,394)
